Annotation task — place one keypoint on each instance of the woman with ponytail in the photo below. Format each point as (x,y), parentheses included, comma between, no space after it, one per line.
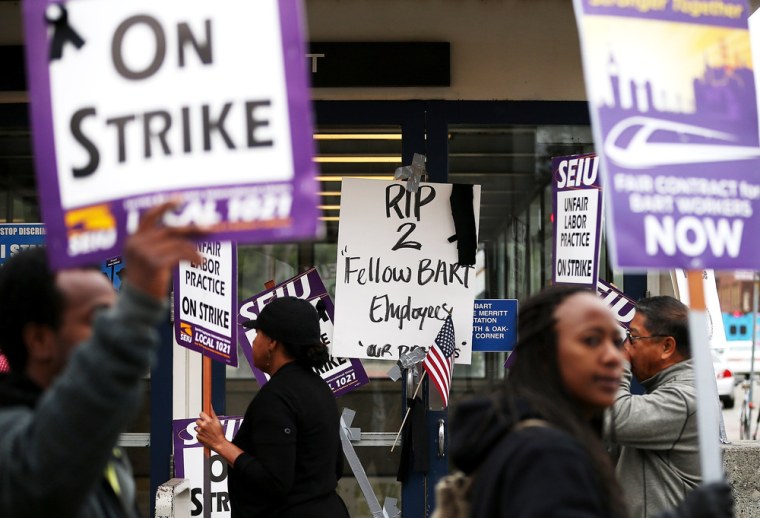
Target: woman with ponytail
(286,458)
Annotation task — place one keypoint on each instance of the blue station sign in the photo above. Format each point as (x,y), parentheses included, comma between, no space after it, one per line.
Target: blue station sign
(494,325)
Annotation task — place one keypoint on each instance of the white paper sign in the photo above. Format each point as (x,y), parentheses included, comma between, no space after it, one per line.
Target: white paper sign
(397,273)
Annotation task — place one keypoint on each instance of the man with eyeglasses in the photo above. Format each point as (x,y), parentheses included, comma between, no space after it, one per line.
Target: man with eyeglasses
(656,432)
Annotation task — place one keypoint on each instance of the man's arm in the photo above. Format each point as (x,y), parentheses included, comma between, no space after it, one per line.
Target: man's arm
(52,457)
(651,421)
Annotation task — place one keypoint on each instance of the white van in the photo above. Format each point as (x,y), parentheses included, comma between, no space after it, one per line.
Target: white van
(737,354)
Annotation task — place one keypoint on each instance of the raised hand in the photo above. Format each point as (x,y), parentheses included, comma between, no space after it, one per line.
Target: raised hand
(153,251)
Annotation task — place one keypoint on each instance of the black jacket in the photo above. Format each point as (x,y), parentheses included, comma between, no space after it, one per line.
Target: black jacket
(293,457)
(531,472)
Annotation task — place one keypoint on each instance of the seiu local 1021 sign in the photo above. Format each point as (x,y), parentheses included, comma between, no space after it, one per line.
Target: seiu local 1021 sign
(136,102)
(577,207)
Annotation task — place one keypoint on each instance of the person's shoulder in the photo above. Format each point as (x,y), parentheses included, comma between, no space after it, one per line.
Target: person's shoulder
(677,377)
(15,420)
(294,379)
(535,441)
(546,437)
(536,450)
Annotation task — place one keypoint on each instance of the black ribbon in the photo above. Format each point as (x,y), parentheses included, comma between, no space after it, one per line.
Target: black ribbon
(414,442)
(463,212)
(322,310)
(62,31)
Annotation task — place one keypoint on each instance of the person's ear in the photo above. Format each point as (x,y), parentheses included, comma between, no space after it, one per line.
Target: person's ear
(669,348)
(40,342)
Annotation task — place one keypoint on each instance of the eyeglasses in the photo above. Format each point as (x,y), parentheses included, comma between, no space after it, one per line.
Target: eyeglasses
(634,339)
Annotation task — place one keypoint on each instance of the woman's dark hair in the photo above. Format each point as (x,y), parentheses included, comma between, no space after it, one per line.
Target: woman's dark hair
(535,378)
(29,295)
(295,323)
(314,356)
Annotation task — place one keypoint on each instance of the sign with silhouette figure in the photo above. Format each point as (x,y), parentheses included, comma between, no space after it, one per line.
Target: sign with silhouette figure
(135,103)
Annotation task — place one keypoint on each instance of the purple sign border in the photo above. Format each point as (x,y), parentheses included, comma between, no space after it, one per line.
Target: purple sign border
(179,426)
(599,211)
(668,14)
(317,290)
(618,302)
(304,222)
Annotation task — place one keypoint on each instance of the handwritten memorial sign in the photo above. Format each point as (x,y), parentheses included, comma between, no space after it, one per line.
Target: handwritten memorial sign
(577,212)
(188,463)
(673,106)
(205,296)
(134,103)
(398,275)
(341,374)
(15,237)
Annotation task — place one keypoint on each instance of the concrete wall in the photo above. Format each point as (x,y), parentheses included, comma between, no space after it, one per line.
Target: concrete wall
(741,461)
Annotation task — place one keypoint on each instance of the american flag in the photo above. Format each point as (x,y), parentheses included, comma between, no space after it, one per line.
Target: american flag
(439,361)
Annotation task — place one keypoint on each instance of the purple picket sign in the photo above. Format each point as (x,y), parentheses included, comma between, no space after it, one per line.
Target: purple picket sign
(676,127)
(185,439)
(205,298)
(342,374)
(622,307)
(723,13)
(211,108)
(577,208)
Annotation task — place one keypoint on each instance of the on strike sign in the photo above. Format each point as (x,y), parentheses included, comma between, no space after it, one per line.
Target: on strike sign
(205,295)
(136,102)
(577,204)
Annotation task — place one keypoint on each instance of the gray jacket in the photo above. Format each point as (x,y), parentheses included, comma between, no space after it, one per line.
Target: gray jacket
(658,460)
(53,456)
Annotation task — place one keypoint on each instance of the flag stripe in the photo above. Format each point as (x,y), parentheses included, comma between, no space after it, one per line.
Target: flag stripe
(438,369)
(439,361)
